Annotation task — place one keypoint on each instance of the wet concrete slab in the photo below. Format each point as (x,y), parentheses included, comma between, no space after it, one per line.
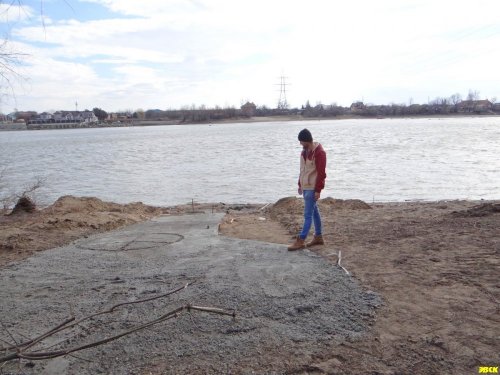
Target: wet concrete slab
(289,305)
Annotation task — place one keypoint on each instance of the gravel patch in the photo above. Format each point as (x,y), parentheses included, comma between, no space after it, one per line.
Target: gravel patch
(290,305)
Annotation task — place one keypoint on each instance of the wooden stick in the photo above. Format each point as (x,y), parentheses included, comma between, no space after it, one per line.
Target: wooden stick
(37,356)
(64,325)
(20,351)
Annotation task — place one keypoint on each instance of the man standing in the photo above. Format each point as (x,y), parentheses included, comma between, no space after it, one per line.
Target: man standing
(311,182)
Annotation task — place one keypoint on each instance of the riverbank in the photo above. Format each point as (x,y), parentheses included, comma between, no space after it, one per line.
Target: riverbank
(434,264)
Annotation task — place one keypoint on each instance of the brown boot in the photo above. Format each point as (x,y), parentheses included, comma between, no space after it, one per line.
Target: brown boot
(297,245)
(317,240)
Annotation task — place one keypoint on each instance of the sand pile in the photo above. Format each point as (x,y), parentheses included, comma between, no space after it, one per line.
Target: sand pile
(68,204)
(341,204)
(289,211)
(69,218)
(484,209)
(286,206)
(24,204)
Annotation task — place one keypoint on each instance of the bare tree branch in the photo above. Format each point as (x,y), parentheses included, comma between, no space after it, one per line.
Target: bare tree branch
(8,332)
(109,311)
(53,331)
(65,325)
(9,63)
(39,182)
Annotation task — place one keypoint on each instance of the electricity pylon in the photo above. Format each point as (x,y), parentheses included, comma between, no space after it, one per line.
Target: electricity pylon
(282,103)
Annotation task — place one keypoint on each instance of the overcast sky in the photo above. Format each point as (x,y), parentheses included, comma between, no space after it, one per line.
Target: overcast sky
(129,54)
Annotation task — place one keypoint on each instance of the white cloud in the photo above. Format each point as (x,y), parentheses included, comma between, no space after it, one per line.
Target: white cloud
(223,52)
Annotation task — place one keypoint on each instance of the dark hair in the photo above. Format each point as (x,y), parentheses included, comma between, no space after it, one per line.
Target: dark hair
(305,136)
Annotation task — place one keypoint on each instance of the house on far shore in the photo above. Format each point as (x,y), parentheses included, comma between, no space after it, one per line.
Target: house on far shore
(357,107)
(5,119)
(476,106)
(25,115)
(119,116)
(44,116)
(61,117)
(88,116)
(248,109)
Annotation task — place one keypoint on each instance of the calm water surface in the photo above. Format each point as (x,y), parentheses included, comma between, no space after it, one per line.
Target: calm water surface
(381,160)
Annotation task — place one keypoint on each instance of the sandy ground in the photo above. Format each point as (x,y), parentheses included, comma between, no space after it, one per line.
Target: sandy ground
(435,265)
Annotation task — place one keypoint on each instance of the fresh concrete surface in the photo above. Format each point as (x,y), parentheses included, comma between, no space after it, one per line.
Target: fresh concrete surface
(290,305)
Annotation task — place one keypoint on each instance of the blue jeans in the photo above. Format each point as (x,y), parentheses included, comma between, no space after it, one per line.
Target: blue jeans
(311,214)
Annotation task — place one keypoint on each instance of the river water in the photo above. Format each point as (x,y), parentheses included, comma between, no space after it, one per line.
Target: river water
(372,160)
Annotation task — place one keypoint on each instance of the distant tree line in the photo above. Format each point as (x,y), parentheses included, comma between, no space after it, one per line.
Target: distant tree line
(438,106)
(193,114)
(322,110)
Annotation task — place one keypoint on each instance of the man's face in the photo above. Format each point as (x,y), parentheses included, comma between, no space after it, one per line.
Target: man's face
(305,145)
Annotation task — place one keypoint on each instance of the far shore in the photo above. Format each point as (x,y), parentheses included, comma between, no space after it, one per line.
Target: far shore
(236,120)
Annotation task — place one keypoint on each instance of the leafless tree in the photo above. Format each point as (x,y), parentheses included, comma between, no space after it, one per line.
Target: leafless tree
(11,59)
(9,69)
(473,95)
(455,99)
(8,198)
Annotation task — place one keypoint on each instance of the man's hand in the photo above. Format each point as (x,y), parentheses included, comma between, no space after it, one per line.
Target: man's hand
(299,191)
(316,195)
